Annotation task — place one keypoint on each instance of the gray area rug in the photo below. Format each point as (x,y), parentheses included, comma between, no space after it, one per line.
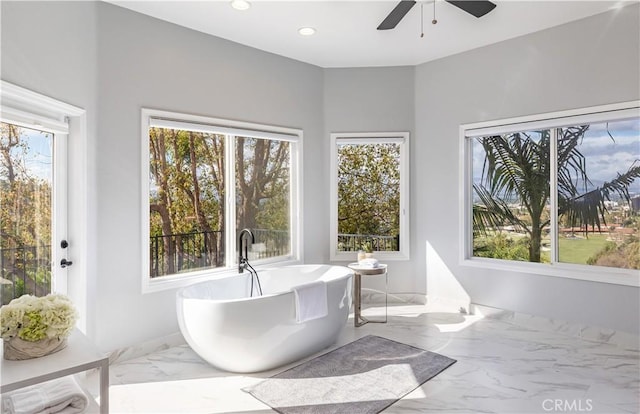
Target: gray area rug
(364,376)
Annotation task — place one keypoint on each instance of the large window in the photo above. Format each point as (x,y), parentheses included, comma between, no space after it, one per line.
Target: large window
(559,189)
(207,179)
(369,194)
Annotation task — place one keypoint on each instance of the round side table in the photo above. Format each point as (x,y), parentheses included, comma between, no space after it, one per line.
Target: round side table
(359,271)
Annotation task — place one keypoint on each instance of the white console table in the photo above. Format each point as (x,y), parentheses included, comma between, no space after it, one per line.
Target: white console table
(79,355)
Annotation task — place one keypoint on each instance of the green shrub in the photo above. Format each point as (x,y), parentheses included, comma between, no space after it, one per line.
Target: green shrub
(625,255)
(501,246)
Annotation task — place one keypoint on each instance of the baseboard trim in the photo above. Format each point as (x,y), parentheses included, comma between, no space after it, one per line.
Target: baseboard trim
(579,330)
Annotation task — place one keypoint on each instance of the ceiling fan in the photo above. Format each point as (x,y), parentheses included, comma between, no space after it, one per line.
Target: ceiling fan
(477,8)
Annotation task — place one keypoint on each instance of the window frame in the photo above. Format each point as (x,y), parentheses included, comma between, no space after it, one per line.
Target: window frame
(27,108)
(551,120)
(167,119)
(403,138)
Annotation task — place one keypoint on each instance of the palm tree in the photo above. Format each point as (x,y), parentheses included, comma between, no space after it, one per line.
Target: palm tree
(518,165)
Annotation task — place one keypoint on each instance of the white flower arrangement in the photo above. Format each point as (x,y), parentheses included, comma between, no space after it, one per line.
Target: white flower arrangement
(33,318)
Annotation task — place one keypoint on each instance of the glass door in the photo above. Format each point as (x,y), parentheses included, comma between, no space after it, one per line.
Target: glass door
(32,211)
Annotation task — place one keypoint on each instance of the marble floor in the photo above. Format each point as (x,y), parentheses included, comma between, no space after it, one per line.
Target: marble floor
(502,367)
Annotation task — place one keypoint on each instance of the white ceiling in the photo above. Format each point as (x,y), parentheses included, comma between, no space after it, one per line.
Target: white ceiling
(346,30)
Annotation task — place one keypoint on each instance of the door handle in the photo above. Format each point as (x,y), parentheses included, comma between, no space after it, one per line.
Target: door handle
(64,263)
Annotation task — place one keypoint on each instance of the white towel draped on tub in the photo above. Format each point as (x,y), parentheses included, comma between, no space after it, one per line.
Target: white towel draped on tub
(311,301)
(62,395)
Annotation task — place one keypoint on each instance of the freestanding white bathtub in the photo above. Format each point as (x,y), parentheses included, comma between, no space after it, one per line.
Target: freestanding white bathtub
(238,333)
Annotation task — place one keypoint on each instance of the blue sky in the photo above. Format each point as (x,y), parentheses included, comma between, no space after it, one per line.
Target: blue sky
(605,157)
(38,157)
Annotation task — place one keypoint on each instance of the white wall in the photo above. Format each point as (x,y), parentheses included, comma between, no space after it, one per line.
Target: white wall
(374,100)
(144,62)
(589,62)
(50,48)
(112,62)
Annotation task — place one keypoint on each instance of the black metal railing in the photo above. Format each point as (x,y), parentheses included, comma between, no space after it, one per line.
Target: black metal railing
(24,270)
(176,253)
(373,242)
(270,243)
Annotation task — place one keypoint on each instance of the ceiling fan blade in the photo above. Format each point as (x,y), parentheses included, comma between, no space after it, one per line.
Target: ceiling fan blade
(477,8)
(396,15)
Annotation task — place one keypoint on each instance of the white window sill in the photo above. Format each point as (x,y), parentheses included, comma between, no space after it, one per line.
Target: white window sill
(626,277)
(380,256)
(162,283)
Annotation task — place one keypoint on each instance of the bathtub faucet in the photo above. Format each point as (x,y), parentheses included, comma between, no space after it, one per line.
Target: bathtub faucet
(244,261)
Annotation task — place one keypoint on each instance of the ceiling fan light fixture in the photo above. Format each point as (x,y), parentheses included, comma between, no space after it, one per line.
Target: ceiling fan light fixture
(307,31)
(240,4)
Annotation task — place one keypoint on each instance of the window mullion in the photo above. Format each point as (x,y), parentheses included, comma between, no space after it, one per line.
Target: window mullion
(294,239)
(230,197)
(553,192)
(466,221)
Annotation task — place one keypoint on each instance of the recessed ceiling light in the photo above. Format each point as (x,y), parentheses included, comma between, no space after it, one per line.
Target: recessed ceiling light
(240,4)
(306,31)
